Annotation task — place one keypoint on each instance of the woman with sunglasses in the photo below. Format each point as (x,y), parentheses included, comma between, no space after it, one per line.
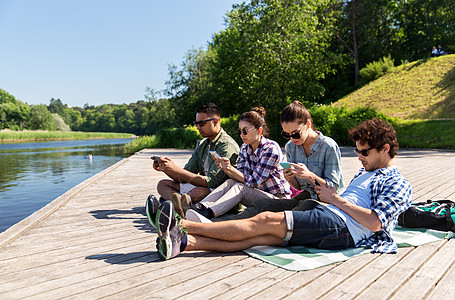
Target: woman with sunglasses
(312,155)
(258,174)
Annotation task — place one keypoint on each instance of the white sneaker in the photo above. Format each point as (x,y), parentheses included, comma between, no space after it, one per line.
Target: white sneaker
(192,215)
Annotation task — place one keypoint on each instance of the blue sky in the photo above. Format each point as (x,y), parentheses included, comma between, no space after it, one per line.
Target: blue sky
(99,51)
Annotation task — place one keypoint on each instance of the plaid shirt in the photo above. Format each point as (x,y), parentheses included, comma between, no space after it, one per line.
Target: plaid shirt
(324,161)
(262,169)
(390,195)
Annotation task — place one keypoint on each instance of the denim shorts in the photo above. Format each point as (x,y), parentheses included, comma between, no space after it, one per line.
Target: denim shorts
(320,228)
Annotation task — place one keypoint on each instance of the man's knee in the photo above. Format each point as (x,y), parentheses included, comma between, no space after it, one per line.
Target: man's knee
(268,217)
(166,187)
(273,223)
(164,183)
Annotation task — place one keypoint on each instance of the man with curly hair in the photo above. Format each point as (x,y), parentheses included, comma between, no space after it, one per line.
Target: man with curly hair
(364,215)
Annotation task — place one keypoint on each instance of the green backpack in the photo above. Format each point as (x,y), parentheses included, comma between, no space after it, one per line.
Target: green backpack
(438,215)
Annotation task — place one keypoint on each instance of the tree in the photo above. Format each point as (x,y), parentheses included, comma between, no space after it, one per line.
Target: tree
(423,24)
(189,86)
(56,106)
(13,113)
(366,25)
(40,118)
(272,52)
(406,29)
(73,118)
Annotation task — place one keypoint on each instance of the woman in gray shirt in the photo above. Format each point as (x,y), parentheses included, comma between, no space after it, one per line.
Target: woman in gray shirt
(312,155)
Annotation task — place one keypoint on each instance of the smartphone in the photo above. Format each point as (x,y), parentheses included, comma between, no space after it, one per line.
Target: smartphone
(285,165)
(316,182)
(156,159)
(215,155)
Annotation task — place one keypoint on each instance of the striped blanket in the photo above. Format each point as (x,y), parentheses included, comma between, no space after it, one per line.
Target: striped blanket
(300,258)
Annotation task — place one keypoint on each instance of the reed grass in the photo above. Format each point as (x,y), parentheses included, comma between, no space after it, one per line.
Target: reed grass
(15,136)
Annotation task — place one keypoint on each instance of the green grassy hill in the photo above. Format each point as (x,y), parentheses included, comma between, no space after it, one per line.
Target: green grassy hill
(423,89)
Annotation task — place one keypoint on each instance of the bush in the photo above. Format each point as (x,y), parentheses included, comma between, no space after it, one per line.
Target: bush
(330,120)
(60,124)
(376,69)
(178,138)
(230,125)
(335,122)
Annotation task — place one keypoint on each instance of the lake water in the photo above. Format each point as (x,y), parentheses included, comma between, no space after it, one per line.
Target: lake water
(34,174)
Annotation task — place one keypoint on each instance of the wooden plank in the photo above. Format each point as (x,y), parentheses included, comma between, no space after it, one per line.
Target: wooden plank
(294,282)
(247,276)
(394,278)
(73,265)
(254,285)
(426,277)
(117,278)
(179,280)
(335,277)
(444,288)
(361,280)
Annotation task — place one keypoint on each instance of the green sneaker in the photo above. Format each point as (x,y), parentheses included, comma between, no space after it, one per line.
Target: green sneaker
(172,238)
(151,209)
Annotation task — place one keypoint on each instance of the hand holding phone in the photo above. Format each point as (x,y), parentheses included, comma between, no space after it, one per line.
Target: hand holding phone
(215,155)
(157,159)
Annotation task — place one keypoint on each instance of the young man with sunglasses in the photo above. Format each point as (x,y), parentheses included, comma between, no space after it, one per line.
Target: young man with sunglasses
(363,215)
(200,174)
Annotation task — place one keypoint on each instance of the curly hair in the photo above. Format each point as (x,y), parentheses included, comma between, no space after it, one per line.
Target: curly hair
(376,133)
(256,117)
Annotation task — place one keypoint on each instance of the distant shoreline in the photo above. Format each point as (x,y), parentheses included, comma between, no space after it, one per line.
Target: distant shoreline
(8,136)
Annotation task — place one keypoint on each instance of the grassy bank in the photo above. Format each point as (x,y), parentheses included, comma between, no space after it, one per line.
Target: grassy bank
(435,134)
(422,89)
(19,136)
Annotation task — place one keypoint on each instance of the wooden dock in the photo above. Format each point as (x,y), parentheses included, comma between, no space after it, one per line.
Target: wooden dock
(95,242)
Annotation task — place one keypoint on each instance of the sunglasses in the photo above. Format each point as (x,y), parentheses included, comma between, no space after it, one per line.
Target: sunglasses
(202,122)
(243,131)
(364,152)
(295,135)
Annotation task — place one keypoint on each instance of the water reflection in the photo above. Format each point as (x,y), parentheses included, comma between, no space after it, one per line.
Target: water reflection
(34,174)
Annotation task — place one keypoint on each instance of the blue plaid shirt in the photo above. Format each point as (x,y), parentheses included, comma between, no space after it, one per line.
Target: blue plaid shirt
(262,169)
(324,161)
(390,195)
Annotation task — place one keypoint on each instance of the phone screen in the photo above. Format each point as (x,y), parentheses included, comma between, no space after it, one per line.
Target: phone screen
(285,165)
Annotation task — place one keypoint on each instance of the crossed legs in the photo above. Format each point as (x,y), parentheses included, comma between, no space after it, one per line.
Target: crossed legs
(167,187)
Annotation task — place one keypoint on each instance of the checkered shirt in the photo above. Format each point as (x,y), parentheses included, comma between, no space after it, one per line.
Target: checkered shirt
(262,169)
(390,195)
